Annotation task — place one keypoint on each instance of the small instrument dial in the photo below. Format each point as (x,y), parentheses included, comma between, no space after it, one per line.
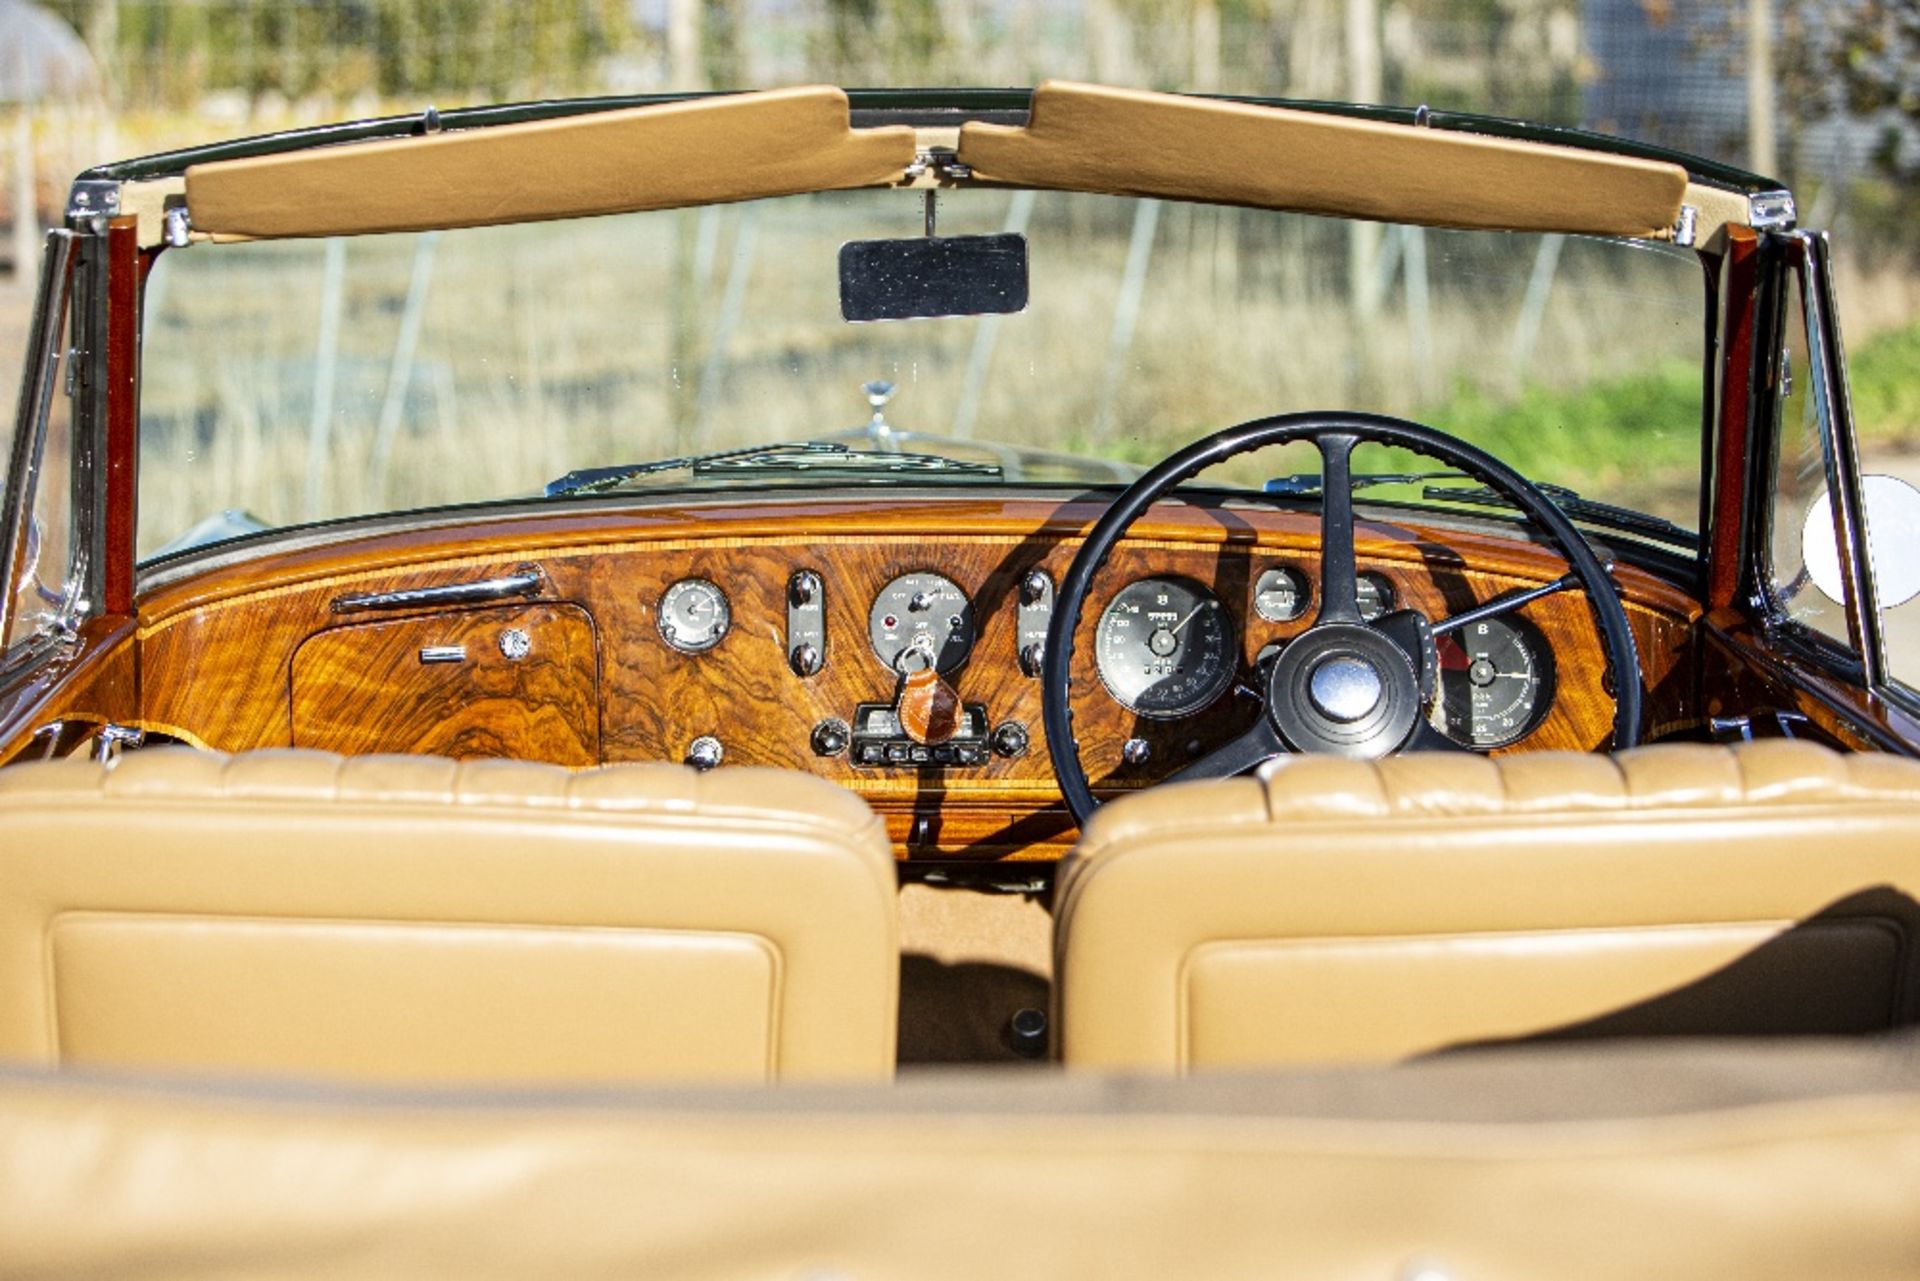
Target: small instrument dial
(1281,594)
(1496,679)
(1374,595)
(1164,648)
(923,612)
(694,615)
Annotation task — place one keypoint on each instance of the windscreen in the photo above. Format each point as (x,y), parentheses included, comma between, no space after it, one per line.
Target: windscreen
(299,381)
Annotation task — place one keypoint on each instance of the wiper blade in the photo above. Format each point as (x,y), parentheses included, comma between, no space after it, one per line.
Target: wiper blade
(795,456)
(1606,515)
(1307,483)
(1624,519)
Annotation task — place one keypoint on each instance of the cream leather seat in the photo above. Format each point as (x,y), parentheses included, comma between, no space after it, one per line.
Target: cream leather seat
(1342,910)
(415,919)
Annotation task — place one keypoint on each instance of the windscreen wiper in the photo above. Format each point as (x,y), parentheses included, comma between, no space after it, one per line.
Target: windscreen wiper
(1307,483)
(1606,515)
(809,456)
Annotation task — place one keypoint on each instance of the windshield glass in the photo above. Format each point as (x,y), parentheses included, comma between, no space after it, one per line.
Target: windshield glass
(288,382)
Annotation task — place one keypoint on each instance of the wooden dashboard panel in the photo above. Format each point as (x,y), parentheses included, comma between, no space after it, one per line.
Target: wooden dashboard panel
(453,683)
(218,649)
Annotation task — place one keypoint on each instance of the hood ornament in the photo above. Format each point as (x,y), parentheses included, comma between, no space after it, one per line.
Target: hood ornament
(879,430)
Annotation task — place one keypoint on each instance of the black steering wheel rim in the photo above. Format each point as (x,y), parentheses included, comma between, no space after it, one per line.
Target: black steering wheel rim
(1056,681)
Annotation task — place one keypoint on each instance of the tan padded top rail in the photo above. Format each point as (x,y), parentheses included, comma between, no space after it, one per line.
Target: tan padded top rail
(1438,785)
(1130,142)
(742,147)
(143,1184)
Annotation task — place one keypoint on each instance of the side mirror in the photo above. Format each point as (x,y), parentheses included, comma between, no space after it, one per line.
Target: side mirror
(1893,542)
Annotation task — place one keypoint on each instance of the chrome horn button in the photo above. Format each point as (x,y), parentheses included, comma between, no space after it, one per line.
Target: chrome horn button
(1345,688)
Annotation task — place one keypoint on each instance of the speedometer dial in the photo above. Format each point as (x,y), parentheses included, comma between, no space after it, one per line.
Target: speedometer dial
(1496,682)
(1165,647)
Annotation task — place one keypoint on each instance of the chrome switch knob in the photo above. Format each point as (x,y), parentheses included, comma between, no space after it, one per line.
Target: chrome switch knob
(1033,587)
(830,737)
(1010,739)
(705,752)
(805,659)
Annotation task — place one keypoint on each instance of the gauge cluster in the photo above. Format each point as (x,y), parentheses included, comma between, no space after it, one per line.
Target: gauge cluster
(1166,648)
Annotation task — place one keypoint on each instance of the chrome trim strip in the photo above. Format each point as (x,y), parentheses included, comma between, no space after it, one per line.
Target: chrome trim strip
(30,423)
(524,581)
(1834,411)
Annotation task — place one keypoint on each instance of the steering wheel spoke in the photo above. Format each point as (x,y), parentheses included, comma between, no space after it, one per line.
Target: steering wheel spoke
(1339,578)
(1250,750)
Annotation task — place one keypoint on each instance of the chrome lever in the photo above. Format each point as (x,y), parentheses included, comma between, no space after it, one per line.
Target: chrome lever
(526,580)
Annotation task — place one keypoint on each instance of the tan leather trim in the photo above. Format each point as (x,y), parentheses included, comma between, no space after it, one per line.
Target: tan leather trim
(1346,910)
(1130,142)
(703,151)
(416,918)
(1251,1178)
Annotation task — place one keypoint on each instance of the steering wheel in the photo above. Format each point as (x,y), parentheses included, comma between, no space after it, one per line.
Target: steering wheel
(1344,686)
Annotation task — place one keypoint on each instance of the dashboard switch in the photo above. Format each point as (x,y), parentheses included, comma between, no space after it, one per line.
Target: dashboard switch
(705,752)
(1010,739)
(806,623)
(830,737)
(1034,612)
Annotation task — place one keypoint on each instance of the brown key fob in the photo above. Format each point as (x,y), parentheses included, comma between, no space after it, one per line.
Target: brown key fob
(929,708)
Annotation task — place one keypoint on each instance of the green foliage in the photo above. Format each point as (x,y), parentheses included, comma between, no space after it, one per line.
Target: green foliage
(1638,426)
(1884,377)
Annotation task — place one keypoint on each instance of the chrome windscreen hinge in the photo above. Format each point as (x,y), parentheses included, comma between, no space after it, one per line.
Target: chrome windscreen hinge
(176,227)
(90,201)
(1771,210)
(1686,226)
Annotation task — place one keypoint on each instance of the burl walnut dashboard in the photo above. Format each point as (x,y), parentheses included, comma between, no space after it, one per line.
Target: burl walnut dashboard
(781,633)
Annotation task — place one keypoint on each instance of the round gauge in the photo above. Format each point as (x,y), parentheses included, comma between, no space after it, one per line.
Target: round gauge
(1375,595)
(694,615)
(926,613)
(1496,680)
(1165,648)
(1281,594)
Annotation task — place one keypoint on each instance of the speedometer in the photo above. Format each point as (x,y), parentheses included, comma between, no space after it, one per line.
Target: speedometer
(1165,648)
(1496,681)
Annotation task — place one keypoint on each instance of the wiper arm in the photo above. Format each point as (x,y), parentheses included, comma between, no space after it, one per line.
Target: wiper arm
(1606,515)
(793,455)
(1308,483)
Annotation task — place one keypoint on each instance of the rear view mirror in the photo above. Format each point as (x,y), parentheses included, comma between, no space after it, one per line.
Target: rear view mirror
(933,276)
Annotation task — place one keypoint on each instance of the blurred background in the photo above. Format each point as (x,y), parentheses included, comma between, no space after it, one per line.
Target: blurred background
(1825,96)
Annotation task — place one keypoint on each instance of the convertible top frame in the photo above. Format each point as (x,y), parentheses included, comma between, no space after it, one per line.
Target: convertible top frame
(1077,138)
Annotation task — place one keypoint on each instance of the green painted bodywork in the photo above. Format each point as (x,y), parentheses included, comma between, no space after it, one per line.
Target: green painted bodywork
(885,102)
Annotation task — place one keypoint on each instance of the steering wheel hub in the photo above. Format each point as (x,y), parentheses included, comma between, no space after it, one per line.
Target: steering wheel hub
(1344,689)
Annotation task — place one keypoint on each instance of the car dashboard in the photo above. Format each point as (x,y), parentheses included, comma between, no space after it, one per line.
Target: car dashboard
(781,630)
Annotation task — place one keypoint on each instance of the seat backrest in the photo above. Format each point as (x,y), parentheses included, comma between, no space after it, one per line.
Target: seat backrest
(417,919)
(1335,910)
